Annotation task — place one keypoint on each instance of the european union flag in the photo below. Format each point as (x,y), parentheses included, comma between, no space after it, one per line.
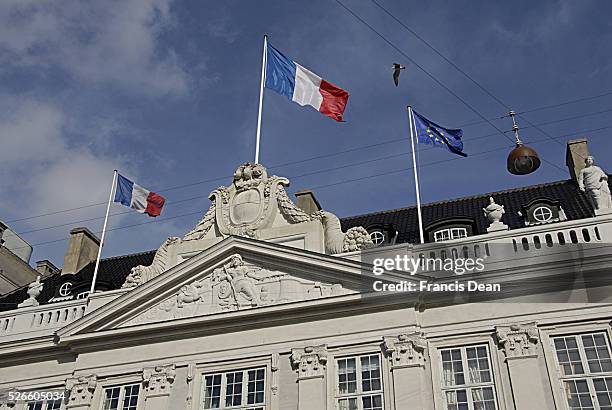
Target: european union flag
(428,132)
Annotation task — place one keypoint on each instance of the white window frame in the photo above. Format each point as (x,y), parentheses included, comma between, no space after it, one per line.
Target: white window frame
(542,207)
(65,289)
(378,237)
(244,393)
(196,389)
(468,385)
(44,404)
(359,393)
(586,375)
(122,391)
(453,233)
(502,391)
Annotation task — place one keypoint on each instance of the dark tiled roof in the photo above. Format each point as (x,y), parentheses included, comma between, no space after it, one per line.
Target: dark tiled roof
(111,275)
(405,220)
(113,271)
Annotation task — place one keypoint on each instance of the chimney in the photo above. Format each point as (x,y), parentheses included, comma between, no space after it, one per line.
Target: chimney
(82,249)
(576,153)
(46,268)
(307,202)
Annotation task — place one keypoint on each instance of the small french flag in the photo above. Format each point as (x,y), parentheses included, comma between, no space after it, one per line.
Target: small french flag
(136,197)
(302,86)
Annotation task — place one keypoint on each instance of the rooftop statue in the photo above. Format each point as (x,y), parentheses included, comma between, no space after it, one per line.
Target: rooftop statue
(594,181)
(252,204)
(34,290)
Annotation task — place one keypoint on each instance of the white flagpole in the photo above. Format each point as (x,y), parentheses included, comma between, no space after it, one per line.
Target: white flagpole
(416,175)
(261,94)
(110,199)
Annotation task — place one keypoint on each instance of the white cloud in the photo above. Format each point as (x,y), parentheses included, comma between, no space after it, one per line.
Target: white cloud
(98,42)
(39,167)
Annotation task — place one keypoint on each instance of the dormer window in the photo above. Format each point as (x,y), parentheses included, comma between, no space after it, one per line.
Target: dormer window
(450,233)
(382,234)
(450,228)
(542,211)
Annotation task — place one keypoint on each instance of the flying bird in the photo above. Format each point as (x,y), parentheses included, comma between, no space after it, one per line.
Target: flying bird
(397,69)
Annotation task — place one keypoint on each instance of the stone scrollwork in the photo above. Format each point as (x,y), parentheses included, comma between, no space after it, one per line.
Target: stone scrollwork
(161,262)
(518,340)
(80,390)
(310,361)
(158,380)
(405,349)
(252,203)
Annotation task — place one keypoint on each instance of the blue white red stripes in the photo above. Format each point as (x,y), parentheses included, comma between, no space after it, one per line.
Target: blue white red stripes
(302,86)
(138,198)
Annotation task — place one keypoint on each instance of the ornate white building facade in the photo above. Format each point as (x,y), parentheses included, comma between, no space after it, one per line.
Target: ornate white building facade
(270,305)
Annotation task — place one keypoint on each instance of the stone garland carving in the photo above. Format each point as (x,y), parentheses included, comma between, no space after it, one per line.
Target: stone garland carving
(202,228)
(158,380)
(310,361)
(518,340)
(236,285)
(141,274)
(80,390)
(336,241)
(34,290)
(405,349)
(251,203)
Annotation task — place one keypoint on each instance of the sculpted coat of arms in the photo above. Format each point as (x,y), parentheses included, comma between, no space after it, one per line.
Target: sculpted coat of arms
(253,202)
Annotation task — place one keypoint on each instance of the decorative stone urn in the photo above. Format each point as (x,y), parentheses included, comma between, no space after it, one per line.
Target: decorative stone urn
(494,212)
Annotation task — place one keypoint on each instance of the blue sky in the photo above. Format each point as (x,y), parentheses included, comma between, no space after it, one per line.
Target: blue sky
(167,92)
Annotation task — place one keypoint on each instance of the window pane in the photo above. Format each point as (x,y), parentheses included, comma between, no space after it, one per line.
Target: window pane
(54,404)
(35,405)
(212,391)
(233,389)
(568,355)
(370,373)
(111,398)
(478,364)
(603,390)
(456,400)
(453,368)
(483,398)
(578,396)
(347,376)
(347,404)
(372,402)
(597,353)
(130,398)
(256,386)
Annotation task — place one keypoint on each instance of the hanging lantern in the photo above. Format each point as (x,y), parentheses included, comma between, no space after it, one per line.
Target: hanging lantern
(522,160)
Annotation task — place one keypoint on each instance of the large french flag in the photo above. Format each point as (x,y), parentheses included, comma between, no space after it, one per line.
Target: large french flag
(136,197)
(302,86)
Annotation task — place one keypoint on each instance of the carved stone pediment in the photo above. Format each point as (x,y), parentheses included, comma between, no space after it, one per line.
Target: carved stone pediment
(252,205)
(236,285)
